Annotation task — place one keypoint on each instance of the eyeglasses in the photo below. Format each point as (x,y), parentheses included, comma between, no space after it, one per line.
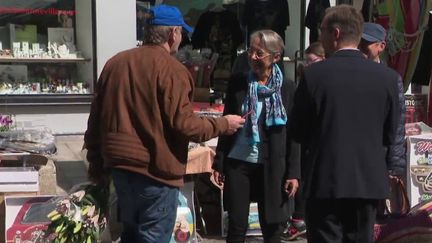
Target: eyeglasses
(259,54)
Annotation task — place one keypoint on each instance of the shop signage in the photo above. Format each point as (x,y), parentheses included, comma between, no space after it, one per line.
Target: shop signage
(416,108)
(49,11)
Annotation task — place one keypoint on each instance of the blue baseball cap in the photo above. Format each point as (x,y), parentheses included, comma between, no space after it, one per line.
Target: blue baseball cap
(373,32)
(166,15)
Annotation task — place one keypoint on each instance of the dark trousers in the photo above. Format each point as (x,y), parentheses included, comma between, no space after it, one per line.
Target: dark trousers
(299,198)
(340,220)
(244,183)
(299,203)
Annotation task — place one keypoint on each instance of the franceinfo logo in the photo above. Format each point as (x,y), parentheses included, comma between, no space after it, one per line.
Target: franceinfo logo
(48,11)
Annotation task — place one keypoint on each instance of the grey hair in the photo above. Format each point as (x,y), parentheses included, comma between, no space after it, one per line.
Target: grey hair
(156,34)
(270,39)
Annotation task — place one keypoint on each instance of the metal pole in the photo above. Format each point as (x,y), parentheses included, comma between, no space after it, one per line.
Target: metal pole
(302,26)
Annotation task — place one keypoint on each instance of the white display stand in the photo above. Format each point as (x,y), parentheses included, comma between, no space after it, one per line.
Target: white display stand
(419,162)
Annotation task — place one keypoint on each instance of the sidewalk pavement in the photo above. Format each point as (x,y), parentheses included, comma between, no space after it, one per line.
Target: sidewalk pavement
(72,170)
(70,167)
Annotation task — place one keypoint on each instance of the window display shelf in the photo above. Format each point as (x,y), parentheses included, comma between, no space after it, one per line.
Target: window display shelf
(50,99)
(42,60)
(47,52)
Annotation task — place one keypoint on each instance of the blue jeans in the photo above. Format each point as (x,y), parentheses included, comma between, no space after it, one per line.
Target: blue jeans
(148,208)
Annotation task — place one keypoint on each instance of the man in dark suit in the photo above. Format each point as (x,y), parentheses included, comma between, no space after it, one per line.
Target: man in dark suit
(345,112)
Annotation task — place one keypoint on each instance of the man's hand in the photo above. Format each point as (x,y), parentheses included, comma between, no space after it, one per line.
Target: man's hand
(234,122)
(291,186)
(98,174)
(96,171)
(219,178)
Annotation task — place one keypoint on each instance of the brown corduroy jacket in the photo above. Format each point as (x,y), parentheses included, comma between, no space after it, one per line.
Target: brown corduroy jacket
(141,118)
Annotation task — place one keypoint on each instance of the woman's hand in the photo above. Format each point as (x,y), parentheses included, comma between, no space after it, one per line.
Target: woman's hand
(291,186)
(218,178)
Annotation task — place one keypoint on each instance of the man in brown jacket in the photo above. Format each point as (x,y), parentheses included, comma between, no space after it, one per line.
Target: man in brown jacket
(140,124)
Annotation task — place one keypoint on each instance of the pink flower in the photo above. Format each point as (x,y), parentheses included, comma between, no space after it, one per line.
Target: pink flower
(78,195)
(5,120)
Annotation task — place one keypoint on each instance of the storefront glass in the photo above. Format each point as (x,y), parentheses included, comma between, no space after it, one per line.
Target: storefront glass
(46,48)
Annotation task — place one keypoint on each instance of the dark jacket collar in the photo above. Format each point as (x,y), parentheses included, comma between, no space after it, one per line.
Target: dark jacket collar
(348,53)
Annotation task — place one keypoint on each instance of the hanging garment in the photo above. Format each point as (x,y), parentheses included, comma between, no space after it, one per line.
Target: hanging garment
(314,15)
(366,10)
(405,21)
(219,31)
(270,14)
(422,73)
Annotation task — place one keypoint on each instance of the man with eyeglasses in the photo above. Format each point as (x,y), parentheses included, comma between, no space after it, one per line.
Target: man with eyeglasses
(345,113)
(372,44)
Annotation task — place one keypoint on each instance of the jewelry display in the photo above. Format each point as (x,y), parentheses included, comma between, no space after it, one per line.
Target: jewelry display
(12,83)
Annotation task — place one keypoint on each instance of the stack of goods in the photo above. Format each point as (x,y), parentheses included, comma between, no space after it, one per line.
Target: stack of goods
(30,141)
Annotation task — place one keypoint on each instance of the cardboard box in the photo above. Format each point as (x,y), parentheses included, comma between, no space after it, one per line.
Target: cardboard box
(44,166)
(26,217)
(419,171)
(3,210)
(417,128)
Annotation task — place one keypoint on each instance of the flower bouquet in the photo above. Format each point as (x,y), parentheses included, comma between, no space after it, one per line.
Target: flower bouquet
(80,217)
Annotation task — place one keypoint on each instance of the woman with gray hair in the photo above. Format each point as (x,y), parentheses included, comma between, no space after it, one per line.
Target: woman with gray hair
(257,163)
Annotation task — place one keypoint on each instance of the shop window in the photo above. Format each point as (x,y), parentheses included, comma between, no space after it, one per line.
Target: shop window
(142,14)
(46,50)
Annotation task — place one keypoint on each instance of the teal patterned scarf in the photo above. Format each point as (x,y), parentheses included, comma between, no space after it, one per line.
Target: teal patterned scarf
(275,111)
